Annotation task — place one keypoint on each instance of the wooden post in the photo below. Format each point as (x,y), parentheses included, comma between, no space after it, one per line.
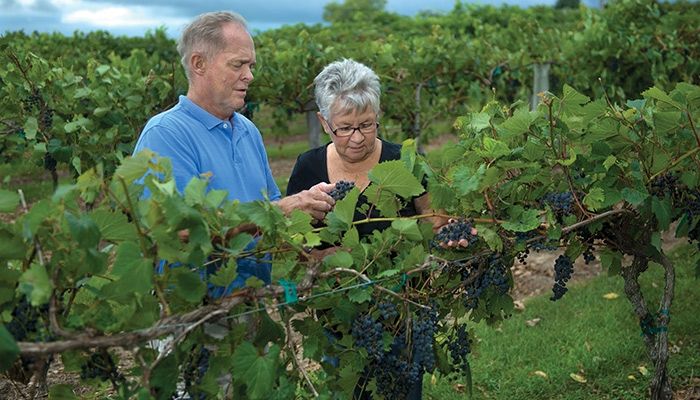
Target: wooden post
(313,125)
(540,83)
(416,121)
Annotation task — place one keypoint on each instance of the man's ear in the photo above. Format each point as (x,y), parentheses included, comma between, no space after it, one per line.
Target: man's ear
(323,122)
(198,64)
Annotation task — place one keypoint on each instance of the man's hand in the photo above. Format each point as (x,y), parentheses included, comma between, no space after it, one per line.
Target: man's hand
(316,201)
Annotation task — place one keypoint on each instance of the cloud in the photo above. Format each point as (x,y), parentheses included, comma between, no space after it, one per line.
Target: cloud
(120,17)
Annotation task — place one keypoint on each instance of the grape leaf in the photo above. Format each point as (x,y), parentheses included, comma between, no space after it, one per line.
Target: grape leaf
(394,177)
(257,372)
(8,200)
(8,349)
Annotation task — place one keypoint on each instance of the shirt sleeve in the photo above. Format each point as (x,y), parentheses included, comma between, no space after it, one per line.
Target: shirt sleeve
(166,143)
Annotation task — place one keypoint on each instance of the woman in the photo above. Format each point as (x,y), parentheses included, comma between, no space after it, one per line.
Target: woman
(347,94)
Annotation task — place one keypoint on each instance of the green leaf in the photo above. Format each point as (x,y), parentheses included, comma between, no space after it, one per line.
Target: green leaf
(75,125)
(238,243)
(61,392)
(35,283)
(479,121)
(667,121)
(493,148)
(84,231)
(215,198)
(609,162)
(572,100)
(407,228)
(195,191)
(383,200)
(133,168)
(8,201)
(360,295)
(31,128)
(262,214)
(113,226)
(660,95)
(341,259)
(8,349)
(491,237)
(594,199)
(225,275)
(135,273)
(612,260)
(522,220)
(11,246)
(343,212)
(257,372)
(662,211)
(466,180)
(408,153)
(519,123)
(394,177)
(189,285)
(634,196)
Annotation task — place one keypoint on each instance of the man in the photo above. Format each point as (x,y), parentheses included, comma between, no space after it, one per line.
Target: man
(203,133)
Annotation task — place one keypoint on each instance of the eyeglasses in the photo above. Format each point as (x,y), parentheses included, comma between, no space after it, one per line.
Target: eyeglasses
(347,131)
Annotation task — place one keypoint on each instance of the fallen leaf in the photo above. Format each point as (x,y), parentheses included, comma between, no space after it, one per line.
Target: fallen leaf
(519,305)
(542,374)
(533,322)
(611,296)
(631,377)
(459,387)
(578,378)
(643,370)
(433,380)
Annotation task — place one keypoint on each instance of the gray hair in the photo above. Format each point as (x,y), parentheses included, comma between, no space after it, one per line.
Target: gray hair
(204,35)
(348,85)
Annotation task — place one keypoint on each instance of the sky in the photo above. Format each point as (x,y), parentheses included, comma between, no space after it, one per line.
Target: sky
(134,18)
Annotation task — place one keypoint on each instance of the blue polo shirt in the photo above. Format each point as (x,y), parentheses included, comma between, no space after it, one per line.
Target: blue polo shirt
(232,151)
(198,142)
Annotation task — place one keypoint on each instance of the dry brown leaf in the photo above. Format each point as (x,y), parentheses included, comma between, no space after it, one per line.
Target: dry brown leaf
(459,387)
(533,322)
(519,305)
(578,378)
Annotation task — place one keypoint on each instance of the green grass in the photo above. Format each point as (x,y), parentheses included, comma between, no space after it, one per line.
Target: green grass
(584,334)
(34,180)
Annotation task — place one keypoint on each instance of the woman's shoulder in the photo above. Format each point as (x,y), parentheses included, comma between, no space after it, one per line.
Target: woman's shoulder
(390,150)
(315,155)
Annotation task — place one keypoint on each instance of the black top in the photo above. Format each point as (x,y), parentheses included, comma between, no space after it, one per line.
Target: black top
(311,168)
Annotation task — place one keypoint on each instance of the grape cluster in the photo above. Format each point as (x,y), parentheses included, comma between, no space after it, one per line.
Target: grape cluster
(46,118)
(560,203)
(563,268)
(341,189)
(387,310)
(665,184)
(423,333)
(495,276)
(368,335)
(537,245)
(101,365)
(400,369)
(195,366)
(33,100)
(456,231)
(459,346)
(588,255)
(24,320)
